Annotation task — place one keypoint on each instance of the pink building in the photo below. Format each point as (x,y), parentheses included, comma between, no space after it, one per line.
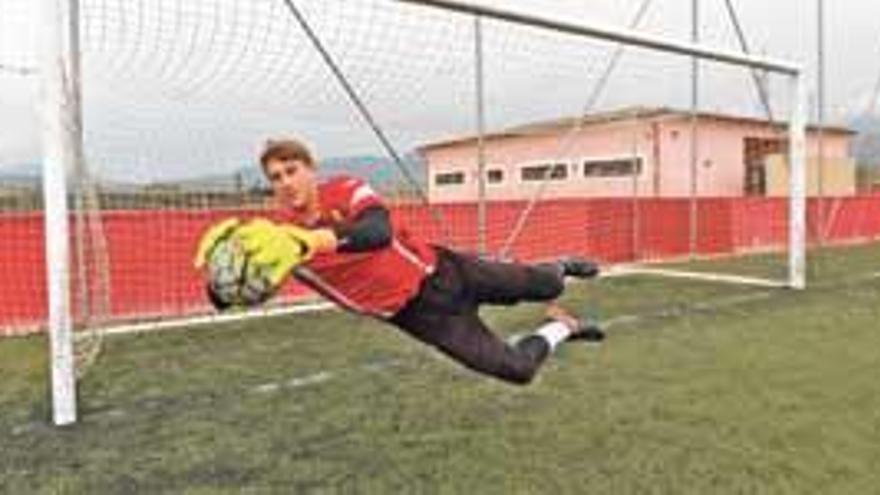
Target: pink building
(642,152)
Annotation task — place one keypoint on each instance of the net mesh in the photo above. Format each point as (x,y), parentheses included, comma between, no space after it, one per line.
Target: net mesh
(587,147)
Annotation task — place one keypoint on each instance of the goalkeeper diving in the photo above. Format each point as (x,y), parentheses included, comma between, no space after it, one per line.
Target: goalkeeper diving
(337,237)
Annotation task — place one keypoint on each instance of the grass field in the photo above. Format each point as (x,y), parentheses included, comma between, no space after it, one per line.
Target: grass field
(763,391)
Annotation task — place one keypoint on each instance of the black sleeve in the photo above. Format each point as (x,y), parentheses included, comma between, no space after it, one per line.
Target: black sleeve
(370,230)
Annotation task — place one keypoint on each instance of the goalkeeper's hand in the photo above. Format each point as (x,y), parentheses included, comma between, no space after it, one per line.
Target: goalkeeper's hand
(212,237)
(282,248)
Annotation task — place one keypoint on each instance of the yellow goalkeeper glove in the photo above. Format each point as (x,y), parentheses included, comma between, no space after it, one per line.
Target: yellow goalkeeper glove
(282,248)
(212,237)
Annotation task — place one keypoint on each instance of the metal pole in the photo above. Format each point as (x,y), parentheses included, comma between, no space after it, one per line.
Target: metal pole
(79,178)
(820,109)
(638,165)
(693,231)
(481,127)
(756,76)
(797,185)
(57,157)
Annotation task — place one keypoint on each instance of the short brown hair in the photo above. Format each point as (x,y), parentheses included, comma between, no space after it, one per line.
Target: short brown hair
(286,149)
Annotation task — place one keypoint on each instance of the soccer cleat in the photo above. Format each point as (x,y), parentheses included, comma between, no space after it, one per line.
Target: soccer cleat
(587,332)
(584,329)
(573,266)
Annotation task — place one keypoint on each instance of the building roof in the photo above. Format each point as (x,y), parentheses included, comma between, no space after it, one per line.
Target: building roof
(553,126)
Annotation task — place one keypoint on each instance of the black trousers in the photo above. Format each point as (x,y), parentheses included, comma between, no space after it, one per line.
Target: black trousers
(445,312)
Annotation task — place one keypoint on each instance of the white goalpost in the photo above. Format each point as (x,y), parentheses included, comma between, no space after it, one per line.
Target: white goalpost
(796,273)
(458,112)
(59,142)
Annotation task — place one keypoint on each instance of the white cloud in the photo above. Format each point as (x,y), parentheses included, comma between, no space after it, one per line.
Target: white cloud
(19,140)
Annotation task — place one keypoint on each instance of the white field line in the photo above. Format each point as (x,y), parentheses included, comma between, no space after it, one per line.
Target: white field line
(322,376)
(211,319)
(678,310)
(314,379)
(718,303)
(709,277)
(296,382)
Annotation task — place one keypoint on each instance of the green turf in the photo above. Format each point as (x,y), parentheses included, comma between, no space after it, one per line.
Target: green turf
(777,393)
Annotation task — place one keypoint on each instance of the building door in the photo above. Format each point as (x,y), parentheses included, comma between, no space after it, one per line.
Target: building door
(755,152)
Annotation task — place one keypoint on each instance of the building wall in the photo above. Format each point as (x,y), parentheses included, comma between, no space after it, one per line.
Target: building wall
(663,145)
(511,153)
(838,177)
(721,158)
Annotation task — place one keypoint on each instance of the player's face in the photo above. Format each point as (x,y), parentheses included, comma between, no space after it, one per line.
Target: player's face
(293,183)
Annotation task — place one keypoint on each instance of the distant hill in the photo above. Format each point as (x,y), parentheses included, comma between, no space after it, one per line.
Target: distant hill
(20,175)
(866,145)
(380,172)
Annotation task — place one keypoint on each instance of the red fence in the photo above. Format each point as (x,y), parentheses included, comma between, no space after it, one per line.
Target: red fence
(150,251)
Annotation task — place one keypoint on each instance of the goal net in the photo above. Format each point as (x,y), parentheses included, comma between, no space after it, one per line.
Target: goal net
(507,133)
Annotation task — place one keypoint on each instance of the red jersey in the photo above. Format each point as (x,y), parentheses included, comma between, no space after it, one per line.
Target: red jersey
(377,282)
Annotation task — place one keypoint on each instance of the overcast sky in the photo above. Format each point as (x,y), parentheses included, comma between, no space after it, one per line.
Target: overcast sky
(186,87)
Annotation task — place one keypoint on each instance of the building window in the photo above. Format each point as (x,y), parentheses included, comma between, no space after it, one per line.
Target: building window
(495,176)
(755,154)
(558,171)
(448,178)
(618,167)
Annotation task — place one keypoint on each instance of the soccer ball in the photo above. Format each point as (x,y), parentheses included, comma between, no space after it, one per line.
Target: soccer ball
(233,281)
